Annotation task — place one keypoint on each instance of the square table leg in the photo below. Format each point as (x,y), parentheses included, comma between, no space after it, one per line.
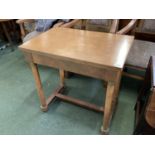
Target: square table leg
(110,102)
(117,86)
(108,107)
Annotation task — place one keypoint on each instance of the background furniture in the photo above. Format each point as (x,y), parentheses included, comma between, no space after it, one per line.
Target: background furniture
(9,32)
(143,46)
(109,25)
(145,30)
(28,26)
(126,26)
(5,30)
(83,52)
(101,25)
(145,106)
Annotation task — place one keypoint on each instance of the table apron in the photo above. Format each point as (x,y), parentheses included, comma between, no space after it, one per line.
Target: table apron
(67,65)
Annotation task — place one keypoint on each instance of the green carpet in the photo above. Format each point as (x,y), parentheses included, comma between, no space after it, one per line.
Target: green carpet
(20,110)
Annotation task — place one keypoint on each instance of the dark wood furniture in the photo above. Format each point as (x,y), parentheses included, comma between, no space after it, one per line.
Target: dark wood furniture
(145,106)
(94,54)
(3,24)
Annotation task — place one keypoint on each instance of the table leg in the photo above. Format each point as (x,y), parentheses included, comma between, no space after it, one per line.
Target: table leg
(37,79)
(62,77)
(117,86)
(108,107)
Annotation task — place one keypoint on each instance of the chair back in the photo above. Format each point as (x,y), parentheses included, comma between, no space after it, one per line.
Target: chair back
(146,26)
(109,25)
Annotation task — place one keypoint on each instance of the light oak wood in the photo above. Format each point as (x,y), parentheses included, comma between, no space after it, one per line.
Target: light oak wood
(117,85)
(39,86)
(21,25)
(129,27)
(81,103)
(78,45)
(62,77)
(59,24)
(108,106)
(52,97)
(114,26)
(72,66)
(94,54)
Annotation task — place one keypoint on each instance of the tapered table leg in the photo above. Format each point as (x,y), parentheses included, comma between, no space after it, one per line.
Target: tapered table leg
(44,106)
(108,107)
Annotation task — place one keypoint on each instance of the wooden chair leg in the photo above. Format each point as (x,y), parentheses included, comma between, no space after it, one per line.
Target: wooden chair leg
(108,108)
(40,91)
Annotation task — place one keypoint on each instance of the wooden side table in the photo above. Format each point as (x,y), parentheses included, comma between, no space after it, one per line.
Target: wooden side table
(94,54)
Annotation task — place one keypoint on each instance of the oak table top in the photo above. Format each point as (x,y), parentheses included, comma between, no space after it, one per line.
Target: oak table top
(95,54)
(96,48)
